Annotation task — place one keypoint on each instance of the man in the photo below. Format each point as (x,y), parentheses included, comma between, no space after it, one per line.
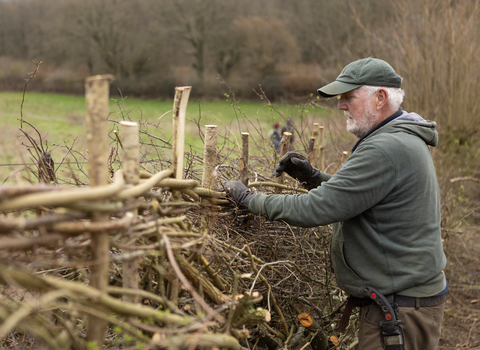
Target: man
(385,204)
(275,137)
(289,128)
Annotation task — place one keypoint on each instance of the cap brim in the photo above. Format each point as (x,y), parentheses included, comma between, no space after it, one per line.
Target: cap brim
(336,88)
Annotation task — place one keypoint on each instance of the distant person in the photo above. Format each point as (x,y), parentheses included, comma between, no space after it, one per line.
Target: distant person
(385,202)
(275,137)
(289,128)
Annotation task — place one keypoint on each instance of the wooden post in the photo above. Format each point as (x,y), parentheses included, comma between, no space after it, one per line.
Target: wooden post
(97,104)
(311,150)
(180,102)
(209,156)
(131,152)
(321,150)
(315,133)
(131,170)
(244,159)
(179,112)
(284,146)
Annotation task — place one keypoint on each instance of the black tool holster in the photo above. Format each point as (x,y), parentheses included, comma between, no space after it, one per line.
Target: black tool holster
(391,333)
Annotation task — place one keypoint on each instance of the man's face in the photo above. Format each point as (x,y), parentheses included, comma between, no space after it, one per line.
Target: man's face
(358,107)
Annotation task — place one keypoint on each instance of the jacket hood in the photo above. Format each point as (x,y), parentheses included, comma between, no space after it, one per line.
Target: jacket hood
(414,124)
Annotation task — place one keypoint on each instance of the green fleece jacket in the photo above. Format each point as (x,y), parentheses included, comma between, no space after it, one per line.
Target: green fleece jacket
(385,201)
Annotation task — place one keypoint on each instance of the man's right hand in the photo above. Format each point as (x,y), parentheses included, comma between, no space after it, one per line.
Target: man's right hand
(298,167)
(238,192)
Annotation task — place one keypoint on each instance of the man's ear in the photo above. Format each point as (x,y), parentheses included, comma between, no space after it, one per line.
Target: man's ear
(382,98)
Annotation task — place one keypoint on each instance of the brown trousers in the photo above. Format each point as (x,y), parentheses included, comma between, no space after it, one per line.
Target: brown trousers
(421,327)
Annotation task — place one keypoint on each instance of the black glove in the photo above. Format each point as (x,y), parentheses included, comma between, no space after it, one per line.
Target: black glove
(298,167)
(238,192)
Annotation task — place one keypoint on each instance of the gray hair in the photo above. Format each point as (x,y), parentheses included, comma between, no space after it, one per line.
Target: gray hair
(395,95)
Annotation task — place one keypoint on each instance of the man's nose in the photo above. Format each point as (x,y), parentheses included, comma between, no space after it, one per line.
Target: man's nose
(341,105)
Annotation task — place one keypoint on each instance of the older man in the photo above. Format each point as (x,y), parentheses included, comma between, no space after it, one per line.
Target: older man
(386,246)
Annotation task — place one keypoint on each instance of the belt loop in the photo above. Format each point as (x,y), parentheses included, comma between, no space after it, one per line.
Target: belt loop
(417,303)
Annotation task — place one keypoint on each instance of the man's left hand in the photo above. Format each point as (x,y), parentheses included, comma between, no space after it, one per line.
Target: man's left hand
(238,192)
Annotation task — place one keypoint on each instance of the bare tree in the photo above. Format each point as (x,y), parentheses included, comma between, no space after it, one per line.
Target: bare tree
(116,31)
(265,44)
(14,29)
(197,24)
(431,44)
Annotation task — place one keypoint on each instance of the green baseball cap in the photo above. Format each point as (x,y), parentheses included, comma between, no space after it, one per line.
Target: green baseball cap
(366,71)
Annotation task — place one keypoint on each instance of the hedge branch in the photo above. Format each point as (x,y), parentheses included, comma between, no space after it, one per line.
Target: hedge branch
(93,227)
(197,279)
(143,187)
(171,257)
(91,296)
(8,224)
(26,309)
(63,197)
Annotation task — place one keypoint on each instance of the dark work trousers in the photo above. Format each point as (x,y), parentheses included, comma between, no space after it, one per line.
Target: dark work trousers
(421,327)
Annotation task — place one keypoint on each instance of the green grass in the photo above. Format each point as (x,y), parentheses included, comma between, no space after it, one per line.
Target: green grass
(61,116)
(60,119)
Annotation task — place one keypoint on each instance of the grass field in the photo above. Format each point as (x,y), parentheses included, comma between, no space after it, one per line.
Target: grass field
(60,122)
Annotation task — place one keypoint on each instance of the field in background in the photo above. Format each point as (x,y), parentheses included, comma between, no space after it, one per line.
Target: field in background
(60,122)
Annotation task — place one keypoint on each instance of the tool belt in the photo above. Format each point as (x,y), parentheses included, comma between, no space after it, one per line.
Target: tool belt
(394,299)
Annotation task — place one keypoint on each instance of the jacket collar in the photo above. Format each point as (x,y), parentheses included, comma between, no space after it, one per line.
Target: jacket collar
(378,126)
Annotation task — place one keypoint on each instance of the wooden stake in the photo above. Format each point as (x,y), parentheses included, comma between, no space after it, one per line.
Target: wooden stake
(97,104)
(209,156)
(311,150)
(315,133)
(284,146)
(244,159)
(321,150)
(131,170)
(179,112)
(131,152)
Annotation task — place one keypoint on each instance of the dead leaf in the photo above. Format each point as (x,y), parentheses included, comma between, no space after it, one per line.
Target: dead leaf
(334,340)
(305,319)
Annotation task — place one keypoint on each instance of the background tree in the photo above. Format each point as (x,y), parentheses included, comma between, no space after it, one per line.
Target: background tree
(193,26)
(430,43)
(265,44)
(111,29)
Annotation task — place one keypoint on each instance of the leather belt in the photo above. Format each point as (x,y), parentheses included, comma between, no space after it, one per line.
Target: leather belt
(404,301)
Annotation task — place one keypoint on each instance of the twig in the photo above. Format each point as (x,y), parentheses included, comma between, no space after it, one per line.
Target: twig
(289,338)
(276,185)
(261,268)
(465,178)
(269,293)
(308,343)
(187,285)
(32,75)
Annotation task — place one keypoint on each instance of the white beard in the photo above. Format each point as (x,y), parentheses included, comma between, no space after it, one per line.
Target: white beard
(361,128)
